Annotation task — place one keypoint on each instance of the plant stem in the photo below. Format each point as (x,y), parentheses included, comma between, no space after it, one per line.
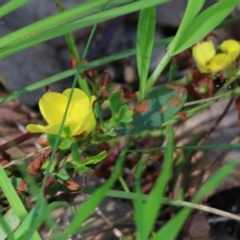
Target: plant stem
(157,72)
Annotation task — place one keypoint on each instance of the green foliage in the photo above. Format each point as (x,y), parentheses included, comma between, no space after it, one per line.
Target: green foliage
(172,228)
(66,143)
(120,111)
(95,159)
(159,105)
(193,28)
(115,102)
(145,39)
(51,139)
(158,108)
(13,199)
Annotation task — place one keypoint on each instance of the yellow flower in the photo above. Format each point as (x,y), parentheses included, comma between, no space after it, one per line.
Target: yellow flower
(80,118)
(209,61)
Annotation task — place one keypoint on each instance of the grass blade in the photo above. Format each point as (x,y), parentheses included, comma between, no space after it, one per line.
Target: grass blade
(205,22)
(145,40)
(172,228)
(8,224)
(11,6)
(153,204)
(22,40)
(13,198)
(193,8)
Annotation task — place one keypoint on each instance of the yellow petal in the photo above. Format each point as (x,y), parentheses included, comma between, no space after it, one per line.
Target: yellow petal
(89,123)
(52,106)
(230,46)
(203,52)
(78,94)
(219,62)
(79,105)
(35,128)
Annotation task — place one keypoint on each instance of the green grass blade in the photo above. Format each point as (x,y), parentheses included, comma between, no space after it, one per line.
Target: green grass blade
(11,6)
(89,205)
(193,8)
(203,24)
(11,195)
(51,22)
(172,227)
(145,40)
(13,198)
(153,204)
(37,217)
(7,225)
(33,37)
(25,225)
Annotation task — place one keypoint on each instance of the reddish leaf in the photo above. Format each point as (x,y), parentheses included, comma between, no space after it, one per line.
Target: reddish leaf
(35,166)
(71,185)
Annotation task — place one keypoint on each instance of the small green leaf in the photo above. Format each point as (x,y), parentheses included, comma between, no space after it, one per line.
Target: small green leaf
(75,153)
(66,143)
(51,139)
(62,175)
(81,169)
(115,102)
(95,159)
(45,165)
(125,114)
(68,165)
(67,130)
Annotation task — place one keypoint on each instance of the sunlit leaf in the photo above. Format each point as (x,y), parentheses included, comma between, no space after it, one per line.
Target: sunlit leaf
(95,159)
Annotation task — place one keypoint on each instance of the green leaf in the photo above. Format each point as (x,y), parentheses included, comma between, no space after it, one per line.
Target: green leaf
(51,139)
(203,24)
(66,143)
(145,40)
(67,130)
(75,153)
(95,159)
(81,169)
(160,105)
(115,102)
(62,175)
(125,115)
(68,165)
